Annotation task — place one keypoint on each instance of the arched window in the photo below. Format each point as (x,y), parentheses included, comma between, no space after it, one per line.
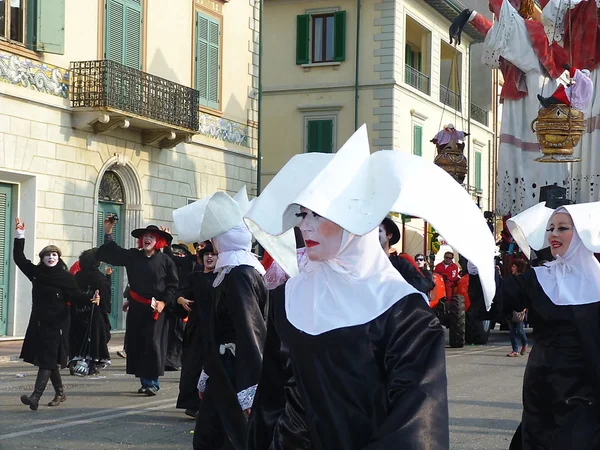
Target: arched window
(111,188)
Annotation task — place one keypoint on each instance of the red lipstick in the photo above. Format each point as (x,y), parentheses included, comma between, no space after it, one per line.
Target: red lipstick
(310,243)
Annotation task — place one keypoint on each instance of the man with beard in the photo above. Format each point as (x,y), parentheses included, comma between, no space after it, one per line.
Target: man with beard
(153,284)
(199,288)
(389,234)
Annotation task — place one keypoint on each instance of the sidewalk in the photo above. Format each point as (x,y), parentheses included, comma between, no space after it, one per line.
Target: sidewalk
(10,349)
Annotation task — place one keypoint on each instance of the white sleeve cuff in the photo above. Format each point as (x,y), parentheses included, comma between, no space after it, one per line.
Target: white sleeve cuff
(202,381)
(20,234)
(472,16)
(246,397)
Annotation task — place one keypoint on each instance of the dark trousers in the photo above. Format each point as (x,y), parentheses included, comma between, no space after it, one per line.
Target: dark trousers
(209,433)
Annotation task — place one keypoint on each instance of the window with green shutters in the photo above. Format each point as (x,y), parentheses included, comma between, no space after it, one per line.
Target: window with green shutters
(5,256)
(208,70)
(321,37)
(417,140)
(478,171)
(123,32)
(319,136)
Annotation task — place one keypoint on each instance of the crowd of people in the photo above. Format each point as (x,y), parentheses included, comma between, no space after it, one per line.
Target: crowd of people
(329,341)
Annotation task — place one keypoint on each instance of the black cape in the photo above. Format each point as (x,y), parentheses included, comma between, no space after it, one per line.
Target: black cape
(411,274)
(199,289)
(46,342)
(234,314)
(90,279)
(149,277)
(380,385)
(561,387)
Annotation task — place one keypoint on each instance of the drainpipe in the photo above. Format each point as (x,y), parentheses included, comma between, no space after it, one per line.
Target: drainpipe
(260,57)
(469,120)
(357,65)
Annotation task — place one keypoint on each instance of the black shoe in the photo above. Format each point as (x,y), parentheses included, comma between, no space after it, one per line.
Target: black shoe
(41,381)
(122,354)
(547,102)
(191,413)
(172,369)
(150,391)
(142,390)
(59,396)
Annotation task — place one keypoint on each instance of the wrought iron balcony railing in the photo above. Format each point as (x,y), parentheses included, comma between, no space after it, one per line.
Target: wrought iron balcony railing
(450,98)
(417,79)
(479,114)
(108,84)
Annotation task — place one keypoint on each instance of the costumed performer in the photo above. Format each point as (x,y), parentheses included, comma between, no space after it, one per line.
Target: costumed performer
(576,94)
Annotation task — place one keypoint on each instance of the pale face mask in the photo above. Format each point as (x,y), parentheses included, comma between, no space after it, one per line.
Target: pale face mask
(323,237)
(382,235)
(50,259)
(148,241)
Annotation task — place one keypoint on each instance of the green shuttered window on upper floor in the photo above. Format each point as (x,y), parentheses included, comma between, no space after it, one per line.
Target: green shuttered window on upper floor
(319,136)
(417,140)
(321,37)
(478,169)
(208,62)
(46,25)
(123,32)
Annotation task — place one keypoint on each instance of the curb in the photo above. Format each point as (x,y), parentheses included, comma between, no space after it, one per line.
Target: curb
(11,358)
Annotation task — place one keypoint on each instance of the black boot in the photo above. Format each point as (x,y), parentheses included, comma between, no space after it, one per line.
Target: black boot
(59,393)
(40,385)
(546,102)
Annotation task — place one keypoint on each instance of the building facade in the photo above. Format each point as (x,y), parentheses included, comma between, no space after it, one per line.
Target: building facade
(330,66)
(111,106)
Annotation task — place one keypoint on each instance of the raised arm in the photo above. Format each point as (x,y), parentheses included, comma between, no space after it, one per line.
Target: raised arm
(26,266)
(110,252)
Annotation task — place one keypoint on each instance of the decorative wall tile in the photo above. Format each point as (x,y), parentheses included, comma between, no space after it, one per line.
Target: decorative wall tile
(223,129)
(36,75)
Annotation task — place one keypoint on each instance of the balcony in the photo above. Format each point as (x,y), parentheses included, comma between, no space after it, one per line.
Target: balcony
(450,98)
(417,79)
(106,95)
(479,114)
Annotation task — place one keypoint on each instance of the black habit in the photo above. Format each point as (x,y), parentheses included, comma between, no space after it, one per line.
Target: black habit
(561,387)
(235,314)
(199,289)
(411,274)
(377,386)
(154,276)
(46,342)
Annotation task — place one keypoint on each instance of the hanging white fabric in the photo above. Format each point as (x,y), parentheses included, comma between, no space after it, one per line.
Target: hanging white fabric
(234,249)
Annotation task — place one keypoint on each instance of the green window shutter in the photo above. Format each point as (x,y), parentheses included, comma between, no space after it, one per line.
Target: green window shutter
(47,22)
(339,40)
(420,62)
(320,136)
(478,171)
(114,42)
(132,35)
(208,43)
(302,38)
(418,140)
(408,52)
(5,227)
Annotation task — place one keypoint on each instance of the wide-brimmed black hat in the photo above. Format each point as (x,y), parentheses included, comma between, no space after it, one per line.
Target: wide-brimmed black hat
(391,228)
(139,232)
(207,248)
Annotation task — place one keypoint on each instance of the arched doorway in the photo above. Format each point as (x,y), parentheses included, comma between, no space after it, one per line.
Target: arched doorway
(111,200)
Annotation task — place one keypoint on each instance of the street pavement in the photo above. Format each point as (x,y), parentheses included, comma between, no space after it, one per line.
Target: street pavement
(105,412)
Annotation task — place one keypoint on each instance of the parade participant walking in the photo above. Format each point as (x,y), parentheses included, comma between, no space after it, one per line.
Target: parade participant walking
(449,270)
(561,388)
(153,284)
(194,296)
(354,357)
(233,326)
(46,339)
(90,279)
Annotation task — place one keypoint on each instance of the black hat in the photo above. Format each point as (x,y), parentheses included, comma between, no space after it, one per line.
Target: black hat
(207,248)
(139,232)
(391,228)
(184,248)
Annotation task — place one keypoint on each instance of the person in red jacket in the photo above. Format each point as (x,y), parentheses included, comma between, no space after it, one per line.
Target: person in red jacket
(449,270)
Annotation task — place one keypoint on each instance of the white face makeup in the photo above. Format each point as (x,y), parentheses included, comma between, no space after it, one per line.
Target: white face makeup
(148,241)
(560,233)
(50,259)
(382,235)
(210,261)
(323,238)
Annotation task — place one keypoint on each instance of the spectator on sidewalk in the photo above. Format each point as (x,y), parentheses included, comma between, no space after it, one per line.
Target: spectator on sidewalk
(517,328)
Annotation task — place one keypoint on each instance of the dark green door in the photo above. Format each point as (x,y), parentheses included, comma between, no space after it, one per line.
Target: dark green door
(116,290)
(5,227)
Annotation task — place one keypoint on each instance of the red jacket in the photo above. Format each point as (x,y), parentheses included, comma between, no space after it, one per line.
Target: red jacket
(450,273)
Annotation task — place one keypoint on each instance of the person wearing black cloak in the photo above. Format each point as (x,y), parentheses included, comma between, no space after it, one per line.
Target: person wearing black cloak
(90,279)
(389,234)
(46,342)
(153,284)
(233,322)
(193,297)
(561,386)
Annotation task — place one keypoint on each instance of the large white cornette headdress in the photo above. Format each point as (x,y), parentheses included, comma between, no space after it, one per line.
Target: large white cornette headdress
(357,189)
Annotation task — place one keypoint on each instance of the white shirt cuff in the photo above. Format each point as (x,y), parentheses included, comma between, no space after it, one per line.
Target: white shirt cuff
(472,16)
(20,234)
(202,381)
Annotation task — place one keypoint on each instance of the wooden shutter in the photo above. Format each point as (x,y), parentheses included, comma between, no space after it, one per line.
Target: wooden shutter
(113,31)
(320,136)
(339,40)
(49,28)
(132,35)
(5,227)
(418,140)
(478,171)
(302,38)
(208,43)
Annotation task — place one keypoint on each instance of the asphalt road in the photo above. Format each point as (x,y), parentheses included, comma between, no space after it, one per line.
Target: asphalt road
(104,412)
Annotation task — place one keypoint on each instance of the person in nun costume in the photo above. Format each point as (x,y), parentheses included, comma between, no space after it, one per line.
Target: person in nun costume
(354,357)
(561,387)
(232,319)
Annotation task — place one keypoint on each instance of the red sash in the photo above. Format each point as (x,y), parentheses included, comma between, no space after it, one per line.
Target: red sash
(138,298)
